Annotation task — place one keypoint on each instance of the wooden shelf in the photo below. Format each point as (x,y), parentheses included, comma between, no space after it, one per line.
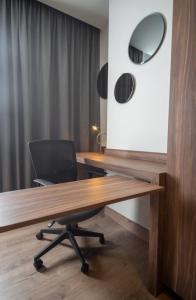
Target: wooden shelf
(143,169)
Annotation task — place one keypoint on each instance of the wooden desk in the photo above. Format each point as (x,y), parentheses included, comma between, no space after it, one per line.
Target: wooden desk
(143,169)
(29,206)
(152,168)
(24,207)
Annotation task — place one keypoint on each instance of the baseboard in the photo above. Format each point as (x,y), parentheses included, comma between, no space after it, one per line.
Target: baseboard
(134,228)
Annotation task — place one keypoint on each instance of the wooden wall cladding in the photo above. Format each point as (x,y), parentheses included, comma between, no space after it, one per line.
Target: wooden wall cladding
(140,155)
(179,265)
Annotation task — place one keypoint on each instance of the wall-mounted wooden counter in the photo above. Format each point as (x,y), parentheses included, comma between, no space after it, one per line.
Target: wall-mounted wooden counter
(136,164)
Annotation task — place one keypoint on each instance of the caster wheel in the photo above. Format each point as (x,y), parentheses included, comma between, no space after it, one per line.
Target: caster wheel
(38,264)
(39,236)
(85,268)
(102,240)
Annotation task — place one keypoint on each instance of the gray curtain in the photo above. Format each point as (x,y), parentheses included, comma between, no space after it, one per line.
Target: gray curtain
(49,63)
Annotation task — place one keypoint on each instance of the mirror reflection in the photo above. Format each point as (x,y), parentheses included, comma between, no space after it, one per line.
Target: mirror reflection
(102,82)
(124,88)
(147,38)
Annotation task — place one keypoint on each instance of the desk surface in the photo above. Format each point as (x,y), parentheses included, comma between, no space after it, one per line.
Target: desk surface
(24,207)
(134,167)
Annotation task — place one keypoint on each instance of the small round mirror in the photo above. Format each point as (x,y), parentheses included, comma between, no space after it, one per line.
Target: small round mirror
(147,38)
(124,88)
(102,82)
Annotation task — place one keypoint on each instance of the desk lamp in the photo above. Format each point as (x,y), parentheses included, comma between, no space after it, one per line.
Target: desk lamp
(97,130)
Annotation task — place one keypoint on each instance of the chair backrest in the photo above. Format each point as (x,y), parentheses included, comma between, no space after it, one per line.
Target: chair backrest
(54,160)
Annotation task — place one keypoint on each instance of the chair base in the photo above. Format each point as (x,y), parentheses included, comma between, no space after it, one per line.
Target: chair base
(69,232)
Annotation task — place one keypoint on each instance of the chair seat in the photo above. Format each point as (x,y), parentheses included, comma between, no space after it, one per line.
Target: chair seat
(78,217)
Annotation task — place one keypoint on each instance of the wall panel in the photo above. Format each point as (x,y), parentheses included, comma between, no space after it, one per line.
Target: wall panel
(179,263)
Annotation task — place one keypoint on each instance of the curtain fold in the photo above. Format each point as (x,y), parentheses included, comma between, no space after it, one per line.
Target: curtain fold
(49,63)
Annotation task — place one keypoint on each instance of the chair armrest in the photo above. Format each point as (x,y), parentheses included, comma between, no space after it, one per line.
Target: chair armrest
(43,182)
(98,174)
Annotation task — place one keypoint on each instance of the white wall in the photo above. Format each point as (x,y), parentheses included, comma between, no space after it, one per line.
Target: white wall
(103,60)
(142,123)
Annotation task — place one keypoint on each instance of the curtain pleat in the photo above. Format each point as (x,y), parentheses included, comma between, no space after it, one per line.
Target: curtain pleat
(49,63)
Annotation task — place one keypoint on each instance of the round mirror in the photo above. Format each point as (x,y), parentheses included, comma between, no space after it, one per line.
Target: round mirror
(147,38)
(124,88)
(102,82)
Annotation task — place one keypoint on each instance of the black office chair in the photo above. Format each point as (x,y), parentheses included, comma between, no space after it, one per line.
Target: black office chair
(54,161)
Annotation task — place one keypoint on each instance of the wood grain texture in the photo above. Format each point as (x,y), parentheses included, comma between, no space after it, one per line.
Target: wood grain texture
(156,234)
(118,270)
(179,271)
(141,155)
(142,169)
(155,173)
(23,207)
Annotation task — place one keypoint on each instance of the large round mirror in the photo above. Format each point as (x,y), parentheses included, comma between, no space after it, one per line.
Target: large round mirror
(147,38)
(124,88)
(102,82)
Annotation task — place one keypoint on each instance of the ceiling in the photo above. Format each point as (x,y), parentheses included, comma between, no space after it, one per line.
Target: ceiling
(93,12)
